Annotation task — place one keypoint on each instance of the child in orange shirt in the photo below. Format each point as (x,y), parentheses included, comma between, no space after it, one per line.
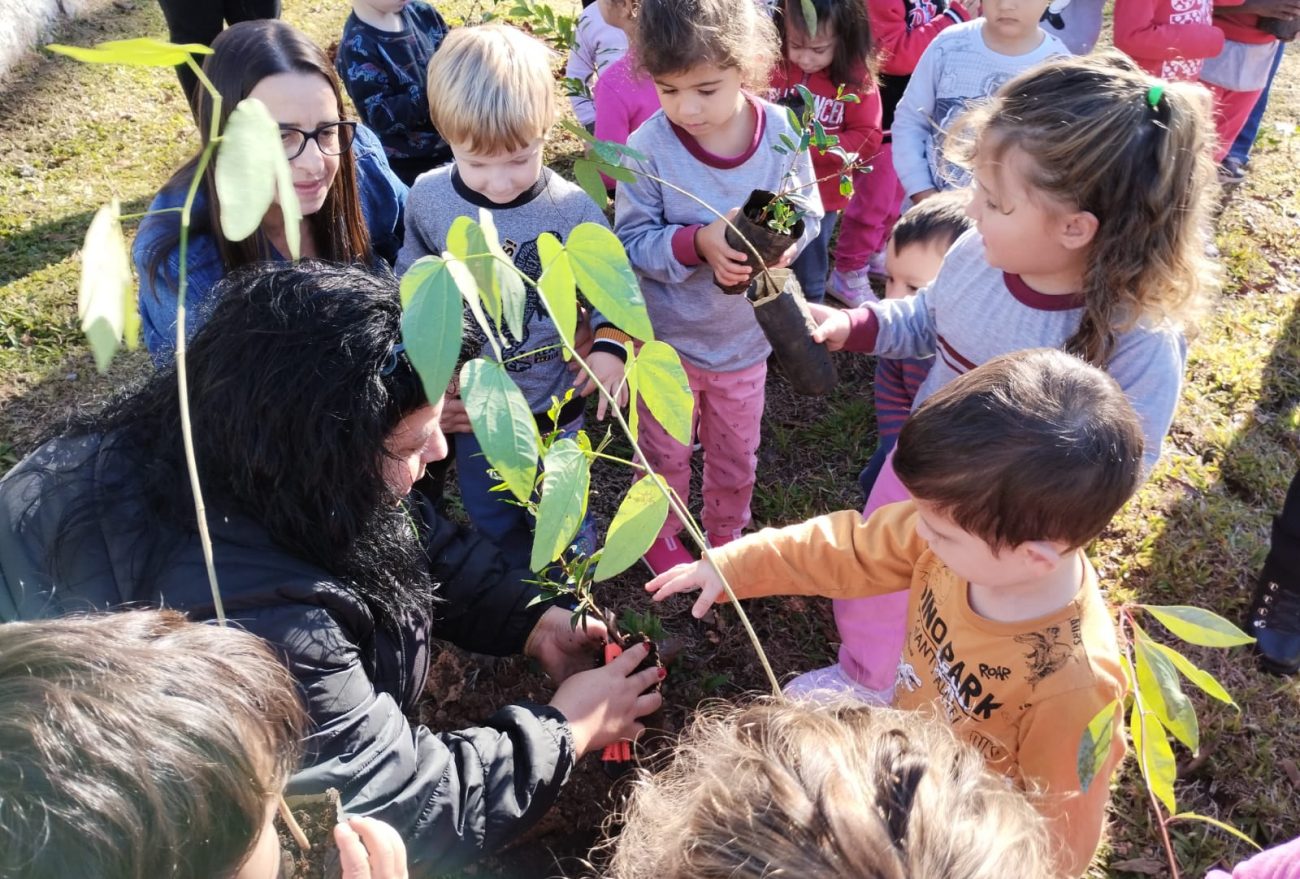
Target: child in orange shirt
(1013,467)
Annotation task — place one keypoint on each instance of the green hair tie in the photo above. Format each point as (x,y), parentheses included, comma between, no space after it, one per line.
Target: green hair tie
(1154,94)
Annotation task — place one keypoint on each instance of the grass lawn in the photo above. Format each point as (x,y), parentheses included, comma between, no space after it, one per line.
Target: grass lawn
(75,136)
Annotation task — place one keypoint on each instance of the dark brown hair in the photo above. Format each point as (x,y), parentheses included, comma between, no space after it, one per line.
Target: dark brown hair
(1130,149)
(853,61)
(1035,445)
(672,36)
(138,745)
(791,788)
(242,56)
(938,220)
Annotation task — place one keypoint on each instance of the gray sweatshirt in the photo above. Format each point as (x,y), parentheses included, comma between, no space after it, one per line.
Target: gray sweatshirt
(711,329)
(974,312)
(552,205)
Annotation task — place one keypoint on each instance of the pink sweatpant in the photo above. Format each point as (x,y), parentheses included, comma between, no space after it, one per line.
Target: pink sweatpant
(728,418)
(1231,110)
(870,215)
(873,630)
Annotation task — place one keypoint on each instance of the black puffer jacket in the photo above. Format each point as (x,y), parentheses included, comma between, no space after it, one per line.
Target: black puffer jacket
(451,795)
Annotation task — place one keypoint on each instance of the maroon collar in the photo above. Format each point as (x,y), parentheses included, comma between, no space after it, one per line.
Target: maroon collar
(1027,295)
(714,161)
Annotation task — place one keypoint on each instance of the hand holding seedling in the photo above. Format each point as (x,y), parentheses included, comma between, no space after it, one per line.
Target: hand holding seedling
(728,264)
(699,575)
(602,705)
(560,648)
(370,849)
(833,325)
(609,370)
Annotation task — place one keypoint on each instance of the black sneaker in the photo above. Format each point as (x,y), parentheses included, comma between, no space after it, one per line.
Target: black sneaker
(1274,620)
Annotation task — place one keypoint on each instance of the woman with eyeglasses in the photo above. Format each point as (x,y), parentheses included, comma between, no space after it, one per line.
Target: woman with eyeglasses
(351,201)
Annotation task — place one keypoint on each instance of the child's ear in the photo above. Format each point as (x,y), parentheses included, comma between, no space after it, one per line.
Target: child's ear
(1077,230)
(1040,555)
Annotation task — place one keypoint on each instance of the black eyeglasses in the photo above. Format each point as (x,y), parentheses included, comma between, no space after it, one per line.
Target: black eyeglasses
(332,139)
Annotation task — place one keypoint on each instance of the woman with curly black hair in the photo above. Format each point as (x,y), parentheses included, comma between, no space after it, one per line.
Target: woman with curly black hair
(310,429)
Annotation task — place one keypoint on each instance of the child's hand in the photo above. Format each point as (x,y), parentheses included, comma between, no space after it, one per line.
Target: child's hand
(923,195)
(699,575)
(370,849)
(454,417)
(602,705)
(728,264)
(786,258)
(833,325)
(610,370)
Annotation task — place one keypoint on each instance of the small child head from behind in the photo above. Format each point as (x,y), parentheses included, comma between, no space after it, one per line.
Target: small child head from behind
(1035,447)
(700,53)
(841,44)
(920,239)
(492,97)
(790,788)
(1089,167)
(140,744)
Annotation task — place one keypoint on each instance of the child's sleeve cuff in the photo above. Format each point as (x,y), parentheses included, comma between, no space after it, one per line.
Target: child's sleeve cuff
(611,340)
(864,327)
(684,246)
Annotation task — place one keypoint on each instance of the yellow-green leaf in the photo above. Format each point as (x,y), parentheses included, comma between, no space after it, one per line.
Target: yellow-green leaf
(1155,757)
(1160,688)
(1198,626)
(1192,816)
(246,168)
(1095,746)
(141,52)
(432,320)
(662,383)
(566,477)
(514,295)
(606,278)
(1208,683)
(105,298)
(557,287)
(636,525)
(287,198)
(584,171)
(502,422)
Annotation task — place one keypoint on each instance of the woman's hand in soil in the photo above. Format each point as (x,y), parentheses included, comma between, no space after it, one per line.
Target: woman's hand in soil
(610,370)
(699,575)
(454,417)
(728,264)
(370,849)
(602,705)
(833,325)
(563,650)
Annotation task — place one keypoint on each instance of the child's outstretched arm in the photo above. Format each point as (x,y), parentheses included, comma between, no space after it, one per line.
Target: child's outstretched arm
(687,578)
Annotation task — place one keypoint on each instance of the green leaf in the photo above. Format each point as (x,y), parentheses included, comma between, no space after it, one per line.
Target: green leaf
(1198,676)
(578,131)
(635,527)
(849,98)
(1160,688)
(1192,816)
(105,299)
(556,286)
(795,123)
(616,172)
(1155,757)
(566,478)
(846,186)
(662,383)
(433,319)
(502,422)
(466,242)
(287,196)
(606,278)
(246,172)
(588,177)
(142,52)
(508,283)
(806,95)
(1096,743)
(809,16)
(1197,626)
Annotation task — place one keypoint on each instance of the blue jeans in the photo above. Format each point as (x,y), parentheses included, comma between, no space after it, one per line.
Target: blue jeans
(867,478)
(1246,139)
(496,514)
(812,266)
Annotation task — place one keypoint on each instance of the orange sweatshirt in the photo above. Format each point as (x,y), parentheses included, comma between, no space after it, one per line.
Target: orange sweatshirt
(1021,693)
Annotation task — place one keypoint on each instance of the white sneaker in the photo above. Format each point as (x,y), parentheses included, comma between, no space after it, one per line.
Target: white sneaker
(852,288)
(831,684)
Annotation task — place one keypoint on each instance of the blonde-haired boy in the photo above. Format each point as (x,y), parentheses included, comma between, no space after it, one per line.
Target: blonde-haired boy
(492,96)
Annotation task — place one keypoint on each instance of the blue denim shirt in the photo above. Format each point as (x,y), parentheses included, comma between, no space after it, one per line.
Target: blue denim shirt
(383,200)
